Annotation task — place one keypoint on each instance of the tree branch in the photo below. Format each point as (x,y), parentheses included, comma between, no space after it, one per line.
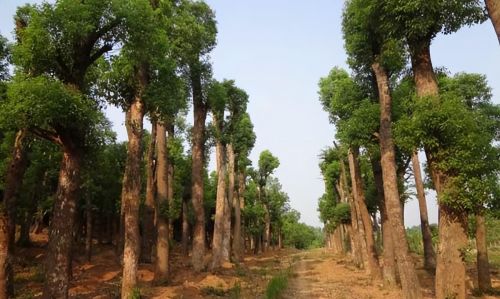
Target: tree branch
(46,134)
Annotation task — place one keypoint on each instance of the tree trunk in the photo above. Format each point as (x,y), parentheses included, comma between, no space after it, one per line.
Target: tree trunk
(429,254)
(450,267)
(148,217)
(58,260)
(162,233)
(229,203)
(354,232)
(200,114)
(389,260)
(359,198)
(88,228)
(13,181)
(408,275)
(131,192)
(493,7)
(220,206)
(237,236)
(170,176)
(267,228)
(185,228)
(483,265)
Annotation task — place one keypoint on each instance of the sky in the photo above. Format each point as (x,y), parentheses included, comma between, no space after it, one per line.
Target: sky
(277,51)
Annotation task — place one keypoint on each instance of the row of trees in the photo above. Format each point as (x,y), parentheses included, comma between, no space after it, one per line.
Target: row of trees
(387,112)
(63,167)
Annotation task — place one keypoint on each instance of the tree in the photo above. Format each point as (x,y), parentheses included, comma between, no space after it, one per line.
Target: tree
(243,140)
(355,117)
(383,55)
(57,44)
(193,39)
(267,164)
(446,17)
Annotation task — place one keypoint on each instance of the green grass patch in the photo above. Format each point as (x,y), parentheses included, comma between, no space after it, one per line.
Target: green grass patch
(278,284)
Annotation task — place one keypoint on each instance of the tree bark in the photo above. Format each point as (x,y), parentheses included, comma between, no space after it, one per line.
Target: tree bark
(267,228)
(229,203)
(389,272)
(220,206)
(408,275)
(429,254)
(238,245)
(162,219)
(131,192)
(170,175)
(88,228)
(148,217)
(13,181)
(483,265)
(58,260)
(359,198)
(185,228)
(450,267)
(354,232)
(493,7)
(200,114)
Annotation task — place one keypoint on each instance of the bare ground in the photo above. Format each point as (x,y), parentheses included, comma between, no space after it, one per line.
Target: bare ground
(315,274)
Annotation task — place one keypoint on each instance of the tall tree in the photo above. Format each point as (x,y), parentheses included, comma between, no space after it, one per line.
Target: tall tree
(243,140)
(57,45)
(193,39)
(267,164)
(382,56)
(447,17)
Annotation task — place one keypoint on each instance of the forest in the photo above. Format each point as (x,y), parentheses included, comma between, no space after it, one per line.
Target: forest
(84,215)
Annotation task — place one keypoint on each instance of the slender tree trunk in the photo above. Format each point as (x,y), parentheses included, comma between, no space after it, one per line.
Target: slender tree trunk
(200,114)
(408,275)
(88,228)
(389,272)
(354,232)
(450,266)
(229,204)
(429,254)
(220,206)
(131,192)
(185,228)
(162,233)
(170,175)
(267,229)
(493,7)
(238,245)
(483,265)
(58,260)
(148,214)
(13,181)
(359,198)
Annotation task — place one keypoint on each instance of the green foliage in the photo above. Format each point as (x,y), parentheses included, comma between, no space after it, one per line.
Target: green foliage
(458,128)
(354,114)
(415,240)
(300,235)
(4,59)
(366,40)
(267,164)
(433,17)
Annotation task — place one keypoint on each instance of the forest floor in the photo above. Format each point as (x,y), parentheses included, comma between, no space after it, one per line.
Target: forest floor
(313,274)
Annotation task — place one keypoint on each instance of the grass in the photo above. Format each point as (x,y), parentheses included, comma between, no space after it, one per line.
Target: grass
(278,284)
(233,293)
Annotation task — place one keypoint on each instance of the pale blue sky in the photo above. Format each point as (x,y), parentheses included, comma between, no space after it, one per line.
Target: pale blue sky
(277,51)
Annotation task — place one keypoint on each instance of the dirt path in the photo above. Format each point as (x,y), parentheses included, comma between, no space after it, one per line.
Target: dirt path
(320,275)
